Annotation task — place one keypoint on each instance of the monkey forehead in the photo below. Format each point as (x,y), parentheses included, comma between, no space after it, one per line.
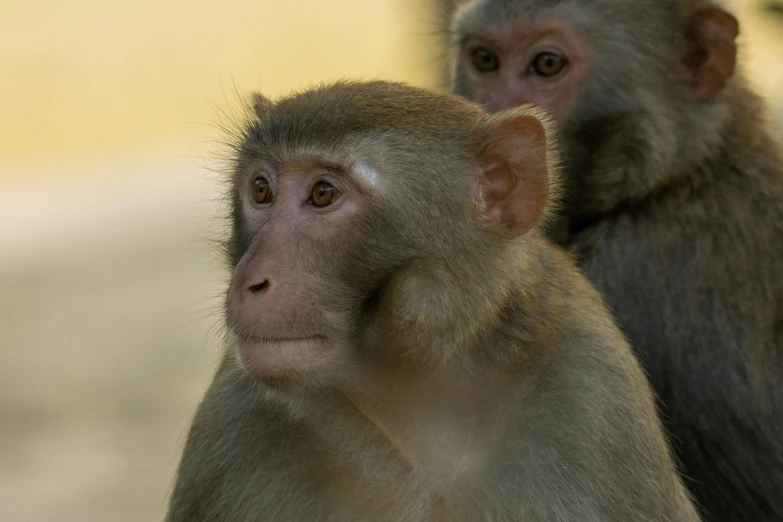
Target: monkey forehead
(334,115)
(601,21)
(348,162)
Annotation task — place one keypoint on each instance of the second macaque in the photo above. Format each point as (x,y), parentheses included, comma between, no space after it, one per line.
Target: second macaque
(674,207)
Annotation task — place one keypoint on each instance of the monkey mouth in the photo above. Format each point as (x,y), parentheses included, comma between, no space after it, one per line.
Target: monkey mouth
(270,339)
(265,356)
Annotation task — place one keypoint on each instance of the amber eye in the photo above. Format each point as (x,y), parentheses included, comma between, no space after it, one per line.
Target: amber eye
(324,194)
(484,60)
(262,192)
(548,64)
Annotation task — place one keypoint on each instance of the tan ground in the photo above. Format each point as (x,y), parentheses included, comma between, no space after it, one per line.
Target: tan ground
(109,290)
(106,348)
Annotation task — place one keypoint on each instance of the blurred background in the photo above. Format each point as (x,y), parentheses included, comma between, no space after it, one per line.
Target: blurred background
(110,290)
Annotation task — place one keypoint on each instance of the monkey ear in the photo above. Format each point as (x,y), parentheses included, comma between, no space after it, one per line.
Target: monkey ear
(711,54)
(261,105)
(514,187)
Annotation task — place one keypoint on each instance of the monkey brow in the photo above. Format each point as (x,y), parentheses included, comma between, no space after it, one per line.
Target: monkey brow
(336,168)
(315,161)
(480,38)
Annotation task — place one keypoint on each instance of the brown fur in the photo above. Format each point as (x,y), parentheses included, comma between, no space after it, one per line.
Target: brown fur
(472,374)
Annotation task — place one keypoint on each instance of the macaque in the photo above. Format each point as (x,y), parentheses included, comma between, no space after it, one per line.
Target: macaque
(673,206)
(403,342)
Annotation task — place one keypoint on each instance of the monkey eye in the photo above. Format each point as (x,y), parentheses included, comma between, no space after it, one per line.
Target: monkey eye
(262,191)
(323,194)
(548,64)
(485,60)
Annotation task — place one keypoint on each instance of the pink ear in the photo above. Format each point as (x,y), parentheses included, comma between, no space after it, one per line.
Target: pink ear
(515,187)
(712,51)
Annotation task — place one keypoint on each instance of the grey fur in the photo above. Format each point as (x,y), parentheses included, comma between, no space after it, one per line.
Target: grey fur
(675,209)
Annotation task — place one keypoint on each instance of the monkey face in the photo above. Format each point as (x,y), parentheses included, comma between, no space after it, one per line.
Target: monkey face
(576,56)
(625,80)
(544,68)
(359,224)
(512,64)
(291,300)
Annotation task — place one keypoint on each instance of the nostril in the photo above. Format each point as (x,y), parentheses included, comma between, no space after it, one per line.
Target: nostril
(259,287)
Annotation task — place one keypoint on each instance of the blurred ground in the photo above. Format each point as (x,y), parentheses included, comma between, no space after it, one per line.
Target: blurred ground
(109,288)
(104,324)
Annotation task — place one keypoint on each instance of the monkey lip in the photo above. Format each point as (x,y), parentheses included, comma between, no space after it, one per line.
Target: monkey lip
(274,356)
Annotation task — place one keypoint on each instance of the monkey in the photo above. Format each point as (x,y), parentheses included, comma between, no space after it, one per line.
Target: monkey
(673,206)
(403,343)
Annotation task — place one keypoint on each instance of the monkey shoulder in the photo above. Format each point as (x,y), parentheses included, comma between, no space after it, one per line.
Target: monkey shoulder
(696,284)
(594,380)
(683,284)
(722,244)
(234,451)
(593,410)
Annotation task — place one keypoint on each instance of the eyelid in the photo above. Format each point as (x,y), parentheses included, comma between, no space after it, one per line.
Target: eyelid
(547,45)
(477,41)
(561,56)
(265,173)
(471,49)
(331,179)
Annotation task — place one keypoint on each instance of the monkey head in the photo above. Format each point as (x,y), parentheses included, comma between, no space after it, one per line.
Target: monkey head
(631,83)
(369,219)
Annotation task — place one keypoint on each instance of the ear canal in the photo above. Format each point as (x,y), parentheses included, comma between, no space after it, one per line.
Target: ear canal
(261,105)
(712,51)
(514,186)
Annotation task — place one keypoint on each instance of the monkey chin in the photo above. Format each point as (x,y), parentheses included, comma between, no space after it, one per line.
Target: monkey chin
(270,358)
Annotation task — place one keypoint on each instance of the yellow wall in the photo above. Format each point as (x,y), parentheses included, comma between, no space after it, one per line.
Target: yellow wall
(84,74)
(80,75)
(110,298)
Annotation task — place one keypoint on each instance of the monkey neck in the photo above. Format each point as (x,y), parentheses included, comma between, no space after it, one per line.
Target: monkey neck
(446,418)
(622,163)
(444,422)
(439,419)
(727,137)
